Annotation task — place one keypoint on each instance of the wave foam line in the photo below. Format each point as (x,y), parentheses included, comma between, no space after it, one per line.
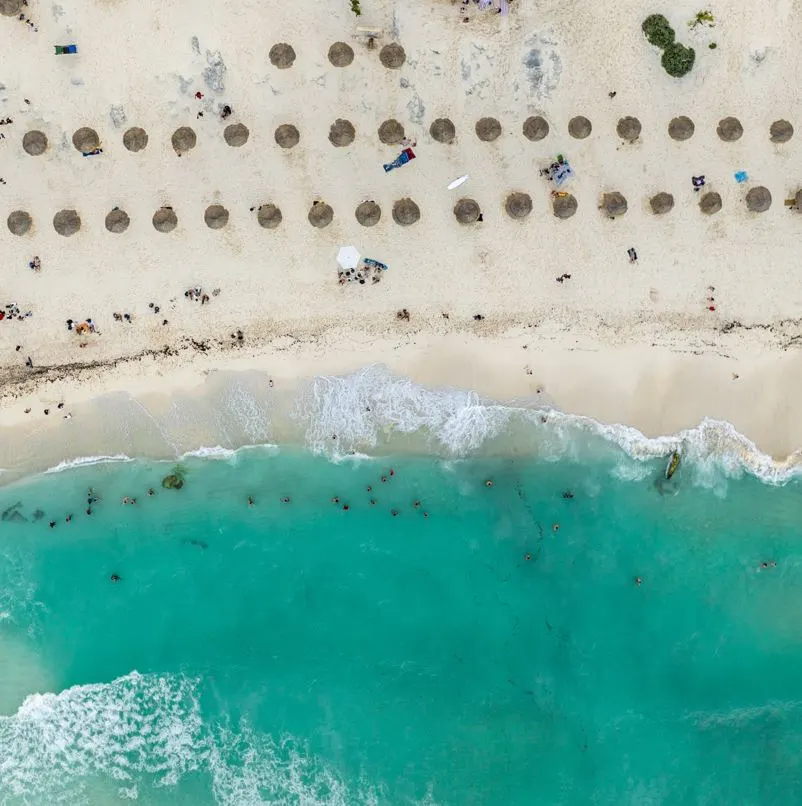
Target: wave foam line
(354,413)
(84,461)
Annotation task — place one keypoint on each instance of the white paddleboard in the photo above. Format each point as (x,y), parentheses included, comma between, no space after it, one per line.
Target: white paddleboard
(457,182)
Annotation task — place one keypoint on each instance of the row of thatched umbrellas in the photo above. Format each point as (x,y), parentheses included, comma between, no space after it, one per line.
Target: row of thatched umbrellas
(340,54)
(391,132)
(405,212)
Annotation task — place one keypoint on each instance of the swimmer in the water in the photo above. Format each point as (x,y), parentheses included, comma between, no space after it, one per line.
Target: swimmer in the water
(52,524)
(568,495)
(346,507)
(416,505)
(638,581)
(68,519)
(384,479)
(527,556)
(115,577)
(335,500)
(151,491)
(89,510)
(555,527)
(250,501)
(369,488)
(768,564)
(425,514)
(392,472)
(285,500)
(489,483)
(394,513)
(373,502)
(126,500)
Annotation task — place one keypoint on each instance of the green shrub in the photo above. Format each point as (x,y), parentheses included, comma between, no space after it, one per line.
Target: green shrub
(712,46)
(702,18)
(658,31)
(356,8)
(678,60)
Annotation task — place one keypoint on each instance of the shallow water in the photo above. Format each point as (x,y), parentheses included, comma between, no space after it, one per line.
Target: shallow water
(302,653)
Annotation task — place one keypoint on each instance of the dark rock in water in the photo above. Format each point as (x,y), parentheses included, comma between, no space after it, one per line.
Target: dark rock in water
(17,517)
(201,544)
(38,514)
(173,482)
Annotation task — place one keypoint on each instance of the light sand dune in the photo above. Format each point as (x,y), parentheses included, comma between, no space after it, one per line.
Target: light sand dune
(657,356)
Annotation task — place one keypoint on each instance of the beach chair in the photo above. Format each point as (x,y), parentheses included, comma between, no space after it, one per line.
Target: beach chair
(63,49)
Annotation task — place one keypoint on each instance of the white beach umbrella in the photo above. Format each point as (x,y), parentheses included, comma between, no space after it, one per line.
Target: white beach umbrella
(348,257)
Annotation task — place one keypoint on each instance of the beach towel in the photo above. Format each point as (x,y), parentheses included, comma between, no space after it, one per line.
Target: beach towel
(402,159)
(374,264)
(741,177)
(562,173)
(62,49)
(94,152)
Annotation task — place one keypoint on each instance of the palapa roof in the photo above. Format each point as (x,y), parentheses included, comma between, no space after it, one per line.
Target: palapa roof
(629,129)
(269,216)
(518,205)
(368,213)
(661,203)
(341,54)
(681,128)
(710,203)
(216,216)
(758,199)
(342,133)
(579,127)
(391,132)
(165,219)
(34,143)
(282,55)
(535,128)
(466,211)
(236,134)
(19,222)
(86,140)
(320,215)
(781,131)
(442,130)
(405,212)
(392,56)
(729,129)
(135,139)
(287,135)
(66,222)
(184,139)
(117,221)
(488,129)
(564,206)
(614,204)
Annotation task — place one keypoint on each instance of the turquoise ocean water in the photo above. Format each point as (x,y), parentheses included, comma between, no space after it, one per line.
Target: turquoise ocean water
(301,653)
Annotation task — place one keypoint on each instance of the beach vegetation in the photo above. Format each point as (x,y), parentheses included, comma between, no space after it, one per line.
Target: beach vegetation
(712,46)
(355,7)
(175,479)
(678,60)
(658,31)
(703,18)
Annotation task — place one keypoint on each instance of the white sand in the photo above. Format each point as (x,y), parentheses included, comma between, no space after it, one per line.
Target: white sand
(620,342)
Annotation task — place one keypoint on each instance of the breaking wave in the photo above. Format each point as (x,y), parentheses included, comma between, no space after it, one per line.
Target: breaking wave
(361,412)
(149,731)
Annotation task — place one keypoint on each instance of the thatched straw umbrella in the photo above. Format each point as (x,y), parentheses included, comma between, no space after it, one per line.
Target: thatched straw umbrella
(781,131)
(34,143)
(488,129)
(661,203)
(184,139)
(535,128)
(282,55)
(66,222)
(10,8)
(579,127)
(86,140)
(287,136)
(165,220)
(443,131)
(710,203)
(729,129)
(368,214)
(341,54)
(268,216)
(628,129)
(216,216)
(614,204)
(135,139)
(342,133)
(392,56)
(320,215)
(564,206)
(681,128)
(19,222)
(466,211)
(236,134)
(391,132)
(518,205)
(117,221)
(758,199)
(405,212)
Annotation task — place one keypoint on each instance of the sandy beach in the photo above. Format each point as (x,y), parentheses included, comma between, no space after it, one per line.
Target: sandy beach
(706,323)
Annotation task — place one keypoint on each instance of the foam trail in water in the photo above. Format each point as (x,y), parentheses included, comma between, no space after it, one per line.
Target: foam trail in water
(367,407)
(84,461)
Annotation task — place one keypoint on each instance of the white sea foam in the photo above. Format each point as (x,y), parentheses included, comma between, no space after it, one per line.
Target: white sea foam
(211,452)
(150,728)
(84,461)
(366,408)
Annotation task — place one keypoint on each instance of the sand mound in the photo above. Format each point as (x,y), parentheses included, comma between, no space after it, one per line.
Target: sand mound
(135,139)
(236,134)
(269,216)
(216,216)
(66,222)
(368,214)
(341,54)
(165,220)
(34,143)
(488,129)
(661,203)
(405,212)
(628,129)
(681,128)
(287,136)
(342,133)
(320,215)
(564,206)
(282,55)
(781,131)
(117,221)
(391,132)
(19,222)
(535,128)
(614,204)
(392,56)
(466,211)
(579,127)
(758,199)
(710,203)
(184,139)
(443,131)
(518,205)
(86,140)
(729,130)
